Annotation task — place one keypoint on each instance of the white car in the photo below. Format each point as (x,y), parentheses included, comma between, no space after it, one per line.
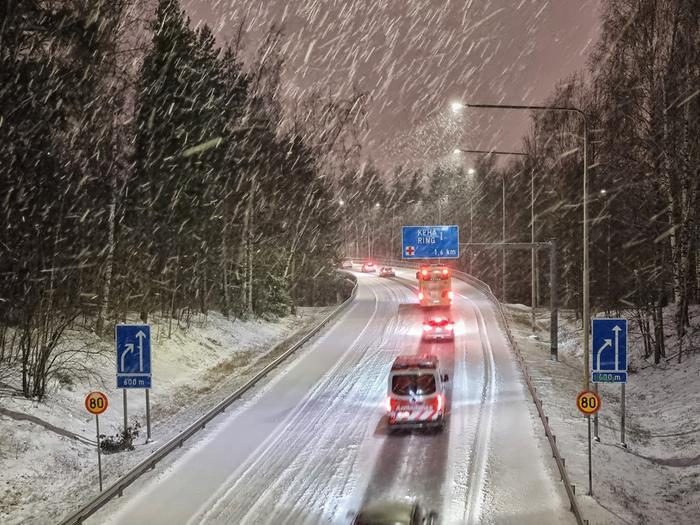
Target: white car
(416,395)
(438,329)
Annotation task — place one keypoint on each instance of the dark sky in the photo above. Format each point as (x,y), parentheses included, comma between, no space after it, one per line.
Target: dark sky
(416,56)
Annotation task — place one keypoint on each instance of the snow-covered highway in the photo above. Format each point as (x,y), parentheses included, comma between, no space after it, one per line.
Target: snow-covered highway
(310,444)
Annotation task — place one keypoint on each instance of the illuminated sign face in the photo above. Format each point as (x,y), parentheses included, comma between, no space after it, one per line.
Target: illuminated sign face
(430,242)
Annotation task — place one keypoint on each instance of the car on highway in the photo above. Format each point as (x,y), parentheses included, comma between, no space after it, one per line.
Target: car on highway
(438,328)
(346,264)
(386,271)
(369,267)
(416,394)
(395,513)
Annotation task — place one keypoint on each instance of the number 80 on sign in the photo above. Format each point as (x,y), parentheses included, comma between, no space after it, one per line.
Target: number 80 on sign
(588,402)
(96,403)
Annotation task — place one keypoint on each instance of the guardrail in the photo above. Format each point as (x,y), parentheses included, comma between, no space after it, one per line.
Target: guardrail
(177,442)
(486,290)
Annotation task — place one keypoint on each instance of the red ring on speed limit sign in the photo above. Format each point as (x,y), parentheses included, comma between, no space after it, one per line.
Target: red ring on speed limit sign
(96,403)
(588,402)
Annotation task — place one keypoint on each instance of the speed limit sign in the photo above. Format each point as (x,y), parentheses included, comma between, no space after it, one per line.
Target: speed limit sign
(588,402)
(96,403)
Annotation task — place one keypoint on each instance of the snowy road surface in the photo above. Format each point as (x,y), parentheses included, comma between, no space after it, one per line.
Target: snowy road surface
(310,446)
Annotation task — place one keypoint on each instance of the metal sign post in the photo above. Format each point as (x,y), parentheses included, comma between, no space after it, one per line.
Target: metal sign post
(96,403)
(133,343)
(623,444)
(553,282)
(596,437)
(148,417)
(126,419)
(590,460)
(588,403)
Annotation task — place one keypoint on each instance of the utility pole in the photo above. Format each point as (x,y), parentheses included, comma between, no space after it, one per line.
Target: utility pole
(503,214)
(533,255)
(503,237)
(586,226)
(471,230)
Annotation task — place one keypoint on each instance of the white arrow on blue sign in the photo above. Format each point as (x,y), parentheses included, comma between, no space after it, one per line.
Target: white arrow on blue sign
(609,351)
(133,342)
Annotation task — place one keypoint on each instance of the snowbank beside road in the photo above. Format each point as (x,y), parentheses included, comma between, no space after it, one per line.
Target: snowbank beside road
(656,480)
(47,463)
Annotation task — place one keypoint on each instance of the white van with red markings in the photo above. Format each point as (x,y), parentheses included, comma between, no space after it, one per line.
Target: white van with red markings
(416,396)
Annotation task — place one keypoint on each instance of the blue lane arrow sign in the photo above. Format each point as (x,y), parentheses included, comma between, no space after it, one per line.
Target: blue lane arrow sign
(609,351)
(133,344)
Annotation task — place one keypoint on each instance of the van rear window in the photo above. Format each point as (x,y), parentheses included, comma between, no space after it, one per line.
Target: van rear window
(413,384)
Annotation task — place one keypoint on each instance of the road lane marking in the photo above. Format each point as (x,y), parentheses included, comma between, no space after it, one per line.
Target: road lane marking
(259,453)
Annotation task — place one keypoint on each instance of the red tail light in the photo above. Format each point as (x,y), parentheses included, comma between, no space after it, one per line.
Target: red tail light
(439,402)
(427,328)
(420,296)
(451,295)
(445,271)
(424,273)
(389,404)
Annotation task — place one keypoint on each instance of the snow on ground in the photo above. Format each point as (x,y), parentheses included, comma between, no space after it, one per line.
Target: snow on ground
(48,460)
(656,479)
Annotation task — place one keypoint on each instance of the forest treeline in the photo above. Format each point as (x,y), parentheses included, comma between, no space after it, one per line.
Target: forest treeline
(641,97)
(147,169)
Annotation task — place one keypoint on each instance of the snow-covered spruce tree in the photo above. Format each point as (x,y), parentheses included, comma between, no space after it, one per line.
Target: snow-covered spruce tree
(158,218)
(53,56)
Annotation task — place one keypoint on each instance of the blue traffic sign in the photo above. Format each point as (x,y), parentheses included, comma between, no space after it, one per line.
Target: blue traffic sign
(430,242)
(609,351)
(133,343)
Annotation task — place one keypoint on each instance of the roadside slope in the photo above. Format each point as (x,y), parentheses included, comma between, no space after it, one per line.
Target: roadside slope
(42,467)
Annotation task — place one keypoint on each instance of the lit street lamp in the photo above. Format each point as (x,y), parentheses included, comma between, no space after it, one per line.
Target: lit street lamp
(456,107)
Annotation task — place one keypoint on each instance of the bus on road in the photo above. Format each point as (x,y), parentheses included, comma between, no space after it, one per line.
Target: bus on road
(434,285)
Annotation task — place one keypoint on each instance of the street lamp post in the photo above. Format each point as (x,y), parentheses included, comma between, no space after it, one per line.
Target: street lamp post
(471,171)
(586,282)
(394,253)
(608,254)
(345,228)
(503,223)
(370,237)
(503,236)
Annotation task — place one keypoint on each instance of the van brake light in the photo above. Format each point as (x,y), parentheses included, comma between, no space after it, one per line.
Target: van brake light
(388,404)
(451,295)
(420,296)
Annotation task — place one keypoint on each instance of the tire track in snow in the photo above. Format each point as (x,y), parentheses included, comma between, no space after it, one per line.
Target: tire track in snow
(482,437)
(332,418)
